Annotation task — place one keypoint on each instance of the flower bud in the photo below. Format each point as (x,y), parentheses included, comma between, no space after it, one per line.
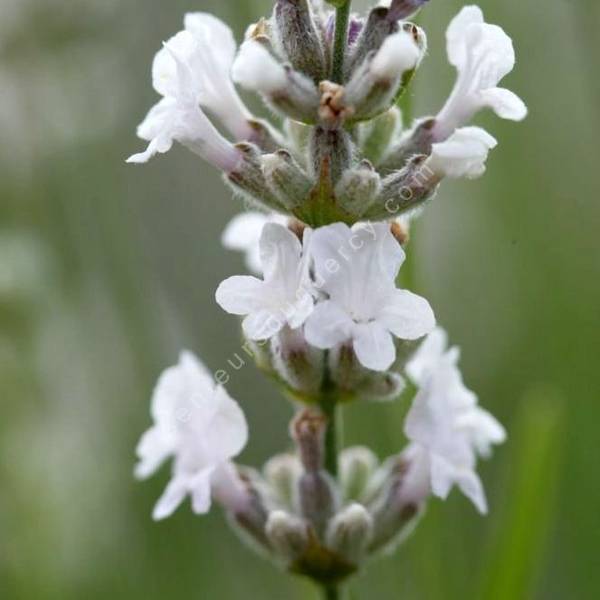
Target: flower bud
(350,532)
(394,509)
(299,38)
(357,465)
(284,89)
(245,506)
(308,431)
(266,137)
(354,380)
(287,534)
(331,150)
(405,190)
(380,78)
(316,498)
(400,9)
(417,141)
(286,179)
(248,178)
(358,188)
(377,135)
(282,472)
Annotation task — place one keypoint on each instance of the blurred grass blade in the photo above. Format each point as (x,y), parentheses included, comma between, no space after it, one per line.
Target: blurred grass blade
(517,550)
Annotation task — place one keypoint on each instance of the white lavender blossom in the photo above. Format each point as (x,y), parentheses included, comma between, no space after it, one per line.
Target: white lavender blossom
(282,297)
(357,269)
(446,427)
(483,55)
(201,427)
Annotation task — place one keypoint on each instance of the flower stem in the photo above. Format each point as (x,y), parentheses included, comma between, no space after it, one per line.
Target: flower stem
(342,17)
(330,410)
(332,592)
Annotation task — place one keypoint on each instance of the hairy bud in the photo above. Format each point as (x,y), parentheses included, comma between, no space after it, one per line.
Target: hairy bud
(297,363)
(332,147)
(358,188)
(248,178)
(405,190)
(316,491)
(286,179)
(349,533)
(357,465)
(299,38)
(287,534)
(282,473)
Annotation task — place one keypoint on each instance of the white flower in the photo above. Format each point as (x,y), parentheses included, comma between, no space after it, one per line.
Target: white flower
(446,427)
(483,55)
(257,70)
(243,234)
(192,70)
(213,59)
(283,297)
(357,269)
(200,426)
(463,154)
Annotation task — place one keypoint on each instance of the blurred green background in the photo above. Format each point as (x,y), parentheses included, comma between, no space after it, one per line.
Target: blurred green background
(107,270)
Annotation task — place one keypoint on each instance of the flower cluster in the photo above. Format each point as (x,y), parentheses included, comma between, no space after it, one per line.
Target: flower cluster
(332,192)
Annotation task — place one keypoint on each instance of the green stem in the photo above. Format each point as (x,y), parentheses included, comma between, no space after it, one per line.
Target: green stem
(332,592)
(342,17)
(330,410)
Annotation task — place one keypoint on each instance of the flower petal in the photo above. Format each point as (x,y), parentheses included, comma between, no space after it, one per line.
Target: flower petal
(241,295)
(227,434)
(374,346)
(407,315)
(456,34)
(506,104)
(172,497)
(200,490)
(463,154)
(263,324)
(327,326)
(280,252)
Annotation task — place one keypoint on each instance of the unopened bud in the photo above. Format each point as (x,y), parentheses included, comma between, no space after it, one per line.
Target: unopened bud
(358,188)
(382,386)
(400,488)
(332,148)
(285,90)
(266,137)
(349,533)
(287,534)
(282,473)
(308,431)
(377,28)
(317,498)
(248,178)
(405,190)
(357,465)
(286,179)
(299,37)
(401,9)
(417,141)
(354,380)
